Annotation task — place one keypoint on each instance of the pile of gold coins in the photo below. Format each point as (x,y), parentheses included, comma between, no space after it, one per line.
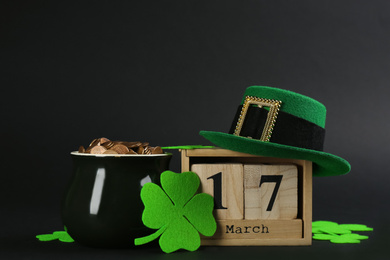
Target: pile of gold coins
(105,146)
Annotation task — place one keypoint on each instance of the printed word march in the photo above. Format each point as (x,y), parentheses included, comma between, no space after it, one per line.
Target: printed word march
(246,229)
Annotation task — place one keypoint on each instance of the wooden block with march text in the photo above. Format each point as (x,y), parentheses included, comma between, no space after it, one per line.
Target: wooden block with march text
(271,191)
(225,182)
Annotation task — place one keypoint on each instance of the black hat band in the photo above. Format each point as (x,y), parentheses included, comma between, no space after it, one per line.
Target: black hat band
(288,129)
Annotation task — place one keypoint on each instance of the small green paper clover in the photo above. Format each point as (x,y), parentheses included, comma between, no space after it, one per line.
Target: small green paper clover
(340,234)
(176,213)
(62,236)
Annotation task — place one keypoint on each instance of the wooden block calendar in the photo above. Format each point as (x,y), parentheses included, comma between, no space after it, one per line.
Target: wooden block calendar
(225,183)
(271,191)
(257,200)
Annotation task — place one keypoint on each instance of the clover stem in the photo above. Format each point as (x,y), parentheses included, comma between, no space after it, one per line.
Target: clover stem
(147,239)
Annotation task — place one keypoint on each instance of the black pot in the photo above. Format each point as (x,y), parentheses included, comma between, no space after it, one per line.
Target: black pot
(102,205)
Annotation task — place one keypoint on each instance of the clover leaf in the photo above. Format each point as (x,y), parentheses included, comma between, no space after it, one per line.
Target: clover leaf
(338,233)
(62,236)
(176,212)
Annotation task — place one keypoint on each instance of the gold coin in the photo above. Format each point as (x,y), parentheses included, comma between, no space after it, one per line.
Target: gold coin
(120,149)
(110,152)
(108,144)
(146,150)
(131,151)
(103,140)
(156,150)
(140,149)
(131,144)
(98,150)
(81,149)
(104,145)
(94,142)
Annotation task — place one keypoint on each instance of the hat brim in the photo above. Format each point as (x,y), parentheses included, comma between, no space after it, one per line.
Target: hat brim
(324,164)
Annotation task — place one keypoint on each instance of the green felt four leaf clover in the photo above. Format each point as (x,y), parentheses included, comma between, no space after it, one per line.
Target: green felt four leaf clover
(176,212)
(62,236)
(340,234)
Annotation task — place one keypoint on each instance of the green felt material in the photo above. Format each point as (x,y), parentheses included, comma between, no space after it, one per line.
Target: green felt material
(341,239)
(339,234)
(335,230)
(356,227)
(324,164)
(292,103)
(62,236)
(187,147)
(348,238)
(321,223)
(176,212)
(344,240)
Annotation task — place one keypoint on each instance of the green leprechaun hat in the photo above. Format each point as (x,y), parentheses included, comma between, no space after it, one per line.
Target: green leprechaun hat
(279,123)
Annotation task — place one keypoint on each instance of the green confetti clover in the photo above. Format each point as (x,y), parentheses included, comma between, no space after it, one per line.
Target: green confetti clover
(338,233)
(176,212)
(62,236)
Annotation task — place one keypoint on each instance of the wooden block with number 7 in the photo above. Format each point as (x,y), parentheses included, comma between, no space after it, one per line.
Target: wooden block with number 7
(271,191)
(225,182)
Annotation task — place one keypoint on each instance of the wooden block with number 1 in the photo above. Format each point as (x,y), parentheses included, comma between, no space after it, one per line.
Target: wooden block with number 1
(225,183)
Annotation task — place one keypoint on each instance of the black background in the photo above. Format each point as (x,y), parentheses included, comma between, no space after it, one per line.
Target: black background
(160,71)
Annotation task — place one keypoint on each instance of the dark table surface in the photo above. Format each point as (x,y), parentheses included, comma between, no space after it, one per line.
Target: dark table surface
(161,71)
(17,241)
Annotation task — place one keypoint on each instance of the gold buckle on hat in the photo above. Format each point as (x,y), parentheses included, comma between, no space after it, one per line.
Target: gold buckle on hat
(274,106)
